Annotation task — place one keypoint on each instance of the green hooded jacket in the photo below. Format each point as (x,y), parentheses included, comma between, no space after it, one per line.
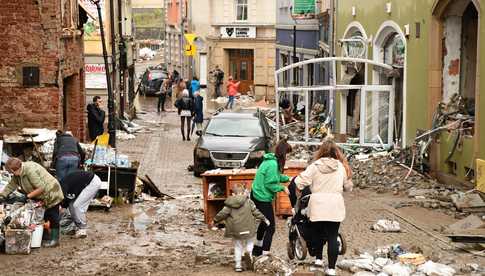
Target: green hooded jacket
(240,215)
(268,178)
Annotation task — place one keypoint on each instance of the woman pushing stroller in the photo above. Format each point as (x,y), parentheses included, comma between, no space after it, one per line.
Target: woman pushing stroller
(328,176)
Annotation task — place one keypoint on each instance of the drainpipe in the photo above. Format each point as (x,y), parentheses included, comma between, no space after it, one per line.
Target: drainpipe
(111,126)
(121,72)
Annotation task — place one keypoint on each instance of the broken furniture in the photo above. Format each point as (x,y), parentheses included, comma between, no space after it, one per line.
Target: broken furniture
(218,185)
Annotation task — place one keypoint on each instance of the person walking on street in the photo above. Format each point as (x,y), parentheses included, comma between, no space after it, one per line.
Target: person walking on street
(198,111)
(162,95)
(37,183)
(232,90)
(79,188)
(96,118)
(185,106)
(266,184)
(240,215)
(68,154)
(327,178)
(195,85)
(219,76)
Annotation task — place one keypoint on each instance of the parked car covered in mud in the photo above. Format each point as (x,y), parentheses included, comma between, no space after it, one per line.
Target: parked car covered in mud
(232,140)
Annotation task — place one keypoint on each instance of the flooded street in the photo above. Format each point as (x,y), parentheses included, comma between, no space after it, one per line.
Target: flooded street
(167,237)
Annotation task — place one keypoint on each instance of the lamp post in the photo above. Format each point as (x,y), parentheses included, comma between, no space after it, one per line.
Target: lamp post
(111,109)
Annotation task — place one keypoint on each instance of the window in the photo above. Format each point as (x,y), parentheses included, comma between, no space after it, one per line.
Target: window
(241,10)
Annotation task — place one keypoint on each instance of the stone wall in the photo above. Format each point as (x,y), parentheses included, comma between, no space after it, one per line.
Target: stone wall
(32,35)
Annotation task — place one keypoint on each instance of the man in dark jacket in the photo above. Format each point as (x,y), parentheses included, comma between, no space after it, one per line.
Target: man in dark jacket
(68,154)
(96,118)
(79,188)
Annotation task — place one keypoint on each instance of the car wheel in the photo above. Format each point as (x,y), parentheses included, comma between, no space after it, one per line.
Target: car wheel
(197,169)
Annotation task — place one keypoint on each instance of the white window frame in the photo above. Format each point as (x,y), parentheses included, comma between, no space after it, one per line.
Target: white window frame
(237,4)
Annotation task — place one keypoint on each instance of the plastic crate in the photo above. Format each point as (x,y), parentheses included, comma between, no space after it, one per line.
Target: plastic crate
(17,241)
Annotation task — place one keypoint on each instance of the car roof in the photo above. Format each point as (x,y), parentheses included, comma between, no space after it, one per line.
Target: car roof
(236,115)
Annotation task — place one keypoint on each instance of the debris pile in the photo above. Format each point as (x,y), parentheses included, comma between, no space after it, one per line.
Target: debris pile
(273,265)
(394,260)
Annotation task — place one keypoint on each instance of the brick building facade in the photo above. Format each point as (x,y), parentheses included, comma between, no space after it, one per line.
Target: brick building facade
(41,73)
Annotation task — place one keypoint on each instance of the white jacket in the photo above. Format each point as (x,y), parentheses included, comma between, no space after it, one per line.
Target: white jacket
(327,179)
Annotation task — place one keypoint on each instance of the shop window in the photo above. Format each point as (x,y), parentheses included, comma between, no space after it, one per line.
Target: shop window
(241,10)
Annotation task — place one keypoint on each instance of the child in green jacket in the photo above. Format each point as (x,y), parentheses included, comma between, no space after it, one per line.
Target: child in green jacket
(240,215)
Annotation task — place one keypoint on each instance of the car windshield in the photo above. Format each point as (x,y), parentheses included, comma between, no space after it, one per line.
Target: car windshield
(235,127)
(158,75)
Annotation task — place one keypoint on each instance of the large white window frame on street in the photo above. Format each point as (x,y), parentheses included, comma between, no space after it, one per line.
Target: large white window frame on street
(376,101)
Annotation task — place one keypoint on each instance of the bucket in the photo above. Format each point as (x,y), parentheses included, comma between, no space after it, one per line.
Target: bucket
(37,236)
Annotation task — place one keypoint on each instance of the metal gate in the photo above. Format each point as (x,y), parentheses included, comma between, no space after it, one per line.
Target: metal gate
(376,101)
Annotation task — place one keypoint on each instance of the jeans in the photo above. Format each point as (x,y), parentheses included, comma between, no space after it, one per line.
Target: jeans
(66,164)
(265,233)
(79,207)
(328,229)
(230,102)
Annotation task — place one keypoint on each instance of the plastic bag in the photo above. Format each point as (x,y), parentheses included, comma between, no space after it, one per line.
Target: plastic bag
(436,269)
(384,225)
(397,269)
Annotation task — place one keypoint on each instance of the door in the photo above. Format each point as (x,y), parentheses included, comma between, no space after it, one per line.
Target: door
(241,68)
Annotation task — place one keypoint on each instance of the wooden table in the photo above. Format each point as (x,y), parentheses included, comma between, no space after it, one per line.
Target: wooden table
(223,181)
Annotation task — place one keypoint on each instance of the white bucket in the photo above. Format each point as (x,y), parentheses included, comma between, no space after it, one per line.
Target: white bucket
(36,239)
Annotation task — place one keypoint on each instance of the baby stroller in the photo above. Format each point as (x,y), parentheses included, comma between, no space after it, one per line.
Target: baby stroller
(299,236)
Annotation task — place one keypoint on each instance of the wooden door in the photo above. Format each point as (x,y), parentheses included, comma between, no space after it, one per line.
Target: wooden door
(241,65)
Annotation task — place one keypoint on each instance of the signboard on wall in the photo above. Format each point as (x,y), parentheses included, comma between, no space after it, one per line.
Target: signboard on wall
(95,76)
(303,9)
(238,32)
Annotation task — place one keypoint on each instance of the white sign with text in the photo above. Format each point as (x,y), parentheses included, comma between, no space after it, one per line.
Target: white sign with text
(238,32)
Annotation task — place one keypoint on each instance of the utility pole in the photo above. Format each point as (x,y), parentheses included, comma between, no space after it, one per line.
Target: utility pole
(123,61)
(181,41)
(111,110)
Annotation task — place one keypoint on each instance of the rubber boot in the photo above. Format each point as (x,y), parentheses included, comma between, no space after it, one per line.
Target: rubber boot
(54,241)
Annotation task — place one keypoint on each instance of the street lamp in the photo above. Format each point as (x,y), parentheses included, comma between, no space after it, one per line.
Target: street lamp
(111,109)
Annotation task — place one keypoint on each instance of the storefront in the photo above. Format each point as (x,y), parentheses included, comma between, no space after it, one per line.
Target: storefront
(247,54)
(433,49)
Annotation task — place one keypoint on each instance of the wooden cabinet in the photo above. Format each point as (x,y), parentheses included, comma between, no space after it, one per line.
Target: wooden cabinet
(218,185)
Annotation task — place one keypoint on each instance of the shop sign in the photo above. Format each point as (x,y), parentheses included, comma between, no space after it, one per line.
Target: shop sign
(238,32)
(303,9)
(95,76)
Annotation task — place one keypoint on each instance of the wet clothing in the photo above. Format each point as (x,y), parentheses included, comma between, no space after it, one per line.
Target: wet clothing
(32,177)
(325,230)
(65,165)
(267,180)
(240,214)
(265,232)
(230,102)
(96,118)
(327,180)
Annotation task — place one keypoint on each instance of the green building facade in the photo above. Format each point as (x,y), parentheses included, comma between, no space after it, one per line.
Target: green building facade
(434,47)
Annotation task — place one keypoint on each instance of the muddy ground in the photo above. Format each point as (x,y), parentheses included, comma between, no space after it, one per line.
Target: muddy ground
(169,237)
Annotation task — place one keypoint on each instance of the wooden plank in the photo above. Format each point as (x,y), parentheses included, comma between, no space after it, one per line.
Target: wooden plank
(467,201)
(155,188)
